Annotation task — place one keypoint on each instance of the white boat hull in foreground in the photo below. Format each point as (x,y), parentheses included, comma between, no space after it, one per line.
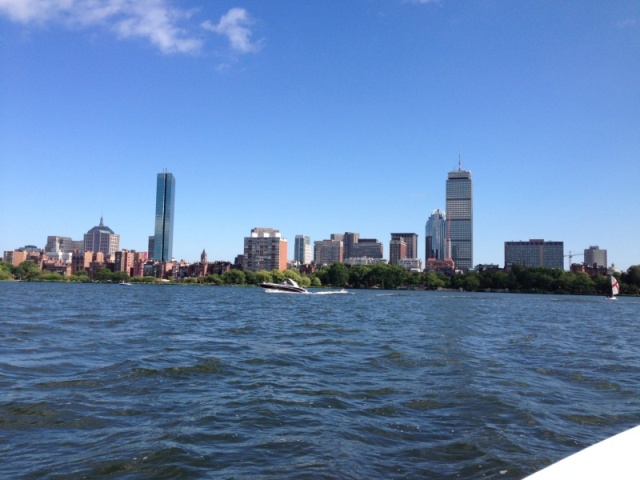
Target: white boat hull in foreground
(613,458)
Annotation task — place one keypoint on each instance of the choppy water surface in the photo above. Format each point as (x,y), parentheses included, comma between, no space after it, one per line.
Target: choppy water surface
(223,382)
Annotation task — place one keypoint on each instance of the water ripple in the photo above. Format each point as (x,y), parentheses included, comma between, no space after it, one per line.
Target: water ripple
(171,382)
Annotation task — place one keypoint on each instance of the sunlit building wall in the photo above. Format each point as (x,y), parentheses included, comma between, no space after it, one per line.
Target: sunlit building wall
(534,253)
(265,249)
(302,250)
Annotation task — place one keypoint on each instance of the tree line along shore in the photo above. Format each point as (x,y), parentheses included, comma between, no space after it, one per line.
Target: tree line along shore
(383,276)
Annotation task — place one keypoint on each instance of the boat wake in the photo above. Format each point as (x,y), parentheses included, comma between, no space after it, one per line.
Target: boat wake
(272,290)
(331,292)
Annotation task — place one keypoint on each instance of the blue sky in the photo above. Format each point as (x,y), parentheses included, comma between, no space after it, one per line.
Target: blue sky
(321,117)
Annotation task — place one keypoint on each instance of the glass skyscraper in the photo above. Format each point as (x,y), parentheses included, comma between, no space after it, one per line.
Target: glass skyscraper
(165,197)
(302,250)
(460,217)
(435,234)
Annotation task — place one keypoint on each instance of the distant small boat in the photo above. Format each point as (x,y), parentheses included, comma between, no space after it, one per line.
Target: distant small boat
(124,283)
(288,286)
(615,288)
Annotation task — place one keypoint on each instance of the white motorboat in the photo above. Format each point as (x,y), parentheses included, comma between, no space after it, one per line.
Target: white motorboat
(288,286)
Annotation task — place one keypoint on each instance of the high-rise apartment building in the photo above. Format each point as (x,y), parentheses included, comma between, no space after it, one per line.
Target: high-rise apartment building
(435,236)
(265,249)
(302,250)
(327,252)
(595,257)
(459,197)
(101,239)
(165,199)
(534,253)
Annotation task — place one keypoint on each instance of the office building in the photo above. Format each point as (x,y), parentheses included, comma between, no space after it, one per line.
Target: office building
(366,247)
(163,234)
(102,239)
(327,252)
(595,257)
(459,198)
(265,249)
(57,244)
(435,236)
(302,250)
(349,239)
(411,242)
(534,253)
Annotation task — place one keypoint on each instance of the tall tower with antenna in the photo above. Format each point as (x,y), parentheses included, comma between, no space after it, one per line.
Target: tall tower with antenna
(459,209)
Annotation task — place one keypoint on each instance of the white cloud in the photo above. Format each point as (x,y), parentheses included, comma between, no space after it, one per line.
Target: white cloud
(627,23)
(234,26)
(153,20)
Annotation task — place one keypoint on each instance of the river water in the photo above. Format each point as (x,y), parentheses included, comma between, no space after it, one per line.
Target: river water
(108,381)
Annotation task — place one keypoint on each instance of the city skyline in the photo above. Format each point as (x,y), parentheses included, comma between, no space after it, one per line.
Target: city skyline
(315,123)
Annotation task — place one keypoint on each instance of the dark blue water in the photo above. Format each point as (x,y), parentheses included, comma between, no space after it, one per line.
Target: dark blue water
(109,381)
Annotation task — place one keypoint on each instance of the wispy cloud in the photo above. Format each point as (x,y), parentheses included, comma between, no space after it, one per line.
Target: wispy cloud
(156,21)
(234,25)
(627,23)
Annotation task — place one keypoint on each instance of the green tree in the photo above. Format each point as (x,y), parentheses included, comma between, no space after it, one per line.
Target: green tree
(393,276)
(103,274)
(146,279)
(293,275)
(433,281)
(338,275)
(5,271)
(277,276)
(120,277)
(632,276)
(358,275)
(250,277)
(51,277)
(471,282)
(80,277)
(27,271)
(413,279)
(322,274)
(583,284)
(213,279)
(602,284)
(262,276)
(233,277)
